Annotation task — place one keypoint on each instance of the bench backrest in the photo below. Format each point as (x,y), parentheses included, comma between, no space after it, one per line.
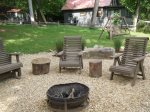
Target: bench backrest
(72,46)
(134,47)
(4,57)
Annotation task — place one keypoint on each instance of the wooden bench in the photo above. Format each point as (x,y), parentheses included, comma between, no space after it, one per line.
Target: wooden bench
(6,65)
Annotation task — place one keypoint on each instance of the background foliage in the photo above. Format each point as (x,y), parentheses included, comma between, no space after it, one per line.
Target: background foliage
(50,8)
(144,7)
(143,27)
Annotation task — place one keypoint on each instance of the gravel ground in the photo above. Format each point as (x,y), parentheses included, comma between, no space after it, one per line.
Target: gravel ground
(29,93)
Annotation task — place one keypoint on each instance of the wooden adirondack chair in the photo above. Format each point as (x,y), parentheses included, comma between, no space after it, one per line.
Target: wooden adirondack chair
(6,64)
(131,63)
(71,56)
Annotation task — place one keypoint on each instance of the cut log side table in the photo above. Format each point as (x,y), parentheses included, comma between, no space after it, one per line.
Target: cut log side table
(40,66)
(95,68)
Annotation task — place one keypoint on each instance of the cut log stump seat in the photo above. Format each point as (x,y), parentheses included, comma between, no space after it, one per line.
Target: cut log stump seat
(40,66)
(95,68)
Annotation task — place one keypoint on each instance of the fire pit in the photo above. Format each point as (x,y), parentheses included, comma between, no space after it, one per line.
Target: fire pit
(67,96)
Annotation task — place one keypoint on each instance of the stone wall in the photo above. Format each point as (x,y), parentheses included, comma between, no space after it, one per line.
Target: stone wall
(98,53)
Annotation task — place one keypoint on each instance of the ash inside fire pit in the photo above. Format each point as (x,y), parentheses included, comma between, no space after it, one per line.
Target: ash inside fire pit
(70,95)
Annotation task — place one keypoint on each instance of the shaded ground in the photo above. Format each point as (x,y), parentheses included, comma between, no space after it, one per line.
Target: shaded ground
(29,93)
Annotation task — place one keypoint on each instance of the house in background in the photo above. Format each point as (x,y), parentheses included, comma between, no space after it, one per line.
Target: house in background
(80,11)
(15,15)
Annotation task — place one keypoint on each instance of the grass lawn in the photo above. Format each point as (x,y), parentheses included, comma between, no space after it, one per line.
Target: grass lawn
(34,39)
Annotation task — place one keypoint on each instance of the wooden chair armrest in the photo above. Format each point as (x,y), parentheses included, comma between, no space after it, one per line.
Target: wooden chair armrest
(139,59)
(116,56)
(15,54)
(60,54)
(80,53)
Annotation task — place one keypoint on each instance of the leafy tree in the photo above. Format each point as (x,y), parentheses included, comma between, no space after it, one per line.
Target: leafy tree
(54,8)
(50,8)
(135,6)
(145,10)
(23,4)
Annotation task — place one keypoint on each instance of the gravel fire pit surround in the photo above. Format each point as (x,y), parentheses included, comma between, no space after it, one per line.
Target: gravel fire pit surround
(59,94)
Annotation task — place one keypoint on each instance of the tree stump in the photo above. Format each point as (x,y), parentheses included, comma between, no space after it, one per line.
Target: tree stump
(95,68)
(40,66)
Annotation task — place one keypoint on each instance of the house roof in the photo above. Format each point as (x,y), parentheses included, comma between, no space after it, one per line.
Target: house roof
(84,4)
(14,10)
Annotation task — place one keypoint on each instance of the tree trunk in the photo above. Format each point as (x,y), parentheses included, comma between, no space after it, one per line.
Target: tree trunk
(40,11)
(135,17)
(31,12)
(95,68)
(40,66)
(43,17)
(94,13)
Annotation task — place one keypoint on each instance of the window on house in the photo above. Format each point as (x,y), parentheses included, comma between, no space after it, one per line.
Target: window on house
(117,11)
(82,13)
(108,11)
(112,12)
(100,12)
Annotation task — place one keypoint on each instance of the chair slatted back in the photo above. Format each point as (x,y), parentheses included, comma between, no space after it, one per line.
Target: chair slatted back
(4,57)
(72,46)
(134,47)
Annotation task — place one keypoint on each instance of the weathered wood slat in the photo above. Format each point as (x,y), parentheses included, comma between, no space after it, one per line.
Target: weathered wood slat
(70,58)
(5,62)
(134,48)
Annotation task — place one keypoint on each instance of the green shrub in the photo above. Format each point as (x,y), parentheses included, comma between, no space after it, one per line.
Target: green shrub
(117,43)
(143,27)
(59,45)
(83,42)
(140,26)
(146,29)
